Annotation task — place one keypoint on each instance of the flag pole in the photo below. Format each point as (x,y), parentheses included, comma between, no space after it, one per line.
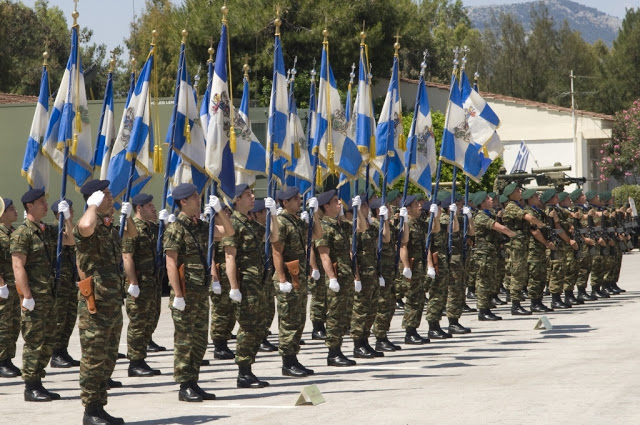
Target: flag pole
(314,171)
(354,226)
(213,187)
(112,64)
(465,230)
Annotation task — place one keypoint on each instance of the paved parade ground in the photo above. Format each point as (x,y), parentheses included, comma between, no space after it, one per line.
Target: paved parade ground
(584,371)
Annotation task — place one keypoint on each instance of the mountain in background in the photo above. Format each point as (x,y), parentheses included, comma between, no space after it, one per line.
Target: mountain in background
(592,24)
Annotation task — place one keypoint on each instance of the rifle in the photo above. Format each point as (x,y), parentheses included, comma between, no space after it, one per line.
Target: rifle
(502,240)
(595,233)
(550,233)
(577,236)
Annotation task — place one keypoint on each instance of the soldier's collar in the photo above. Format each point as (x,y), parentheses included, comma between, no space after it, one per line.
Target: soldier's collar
(39,226)
(487,212)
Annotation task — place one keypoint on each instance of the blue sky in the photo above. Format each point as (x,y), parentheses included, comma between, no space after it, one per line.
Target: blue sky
(110,19)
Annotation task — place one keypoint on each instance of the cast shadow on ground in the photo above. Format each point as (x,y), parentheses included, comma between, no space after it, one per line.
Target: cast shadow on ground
(181,420)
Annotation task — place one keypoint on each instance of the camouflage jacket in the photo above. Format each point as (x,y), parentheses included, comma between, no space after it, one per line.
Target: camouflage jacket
(6,268)
(388,258)
(367,251)
(143,248)
(336,235)
(68,270)
(417,242)
(189,238)
(536,249)
(513,218)
(38,242)
(293,234)
(249,244)
(486,237)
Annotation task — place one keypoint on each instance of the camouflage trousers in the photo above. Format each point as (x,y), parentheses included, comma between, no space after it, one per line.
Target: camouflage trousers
(37,331)
(571,270)
(223,315)
(414,295)
(455,287)
(318,308)
(141,312)
(386,305)
(250,316)
(537,273)
(9,323)
(517,266)
(501,274)
(339,306)
(99,340)
(597,271)
(270,312)
(365,307)
(485,278)
(583,269)
(292,313)
(438,291)
(470,271)
(66,308)
(613,268)
(156,314)
(557,269)
(190,333)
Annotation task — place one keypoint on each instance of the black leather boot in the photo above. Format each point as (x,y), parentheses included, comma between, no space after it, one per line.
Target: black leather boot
(611,289)
(601,292)
(556,302)
(435,332)
(508,297)
(67,357)
(188,393)
(52,396)
(318,332)
(111,383)
(137,369)
(471,293)
(289,368)
(32,392)
(266,346)
(569,298)
(412,338)
(6,371)
(400,304)
(107,417)
(221,351)
(467,309)
(58,360)
(615,287)
(300,366)
(485,315)
(152,347)
(456,328)
(205,395)
(92,415)
(366,344)
(383,344)
(517,310)
(497,301)
(246,378)
(582,295)
(336,358)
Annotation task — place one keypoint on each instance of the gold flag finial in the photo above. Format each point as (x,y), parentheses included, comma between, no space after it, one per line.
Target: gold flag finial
(45,56)
(211,51)
(245,67)
(396,45)
(133,65)
(185,33)
(112,62)
(325,34)
(225,11)
(277,22)
(75,13)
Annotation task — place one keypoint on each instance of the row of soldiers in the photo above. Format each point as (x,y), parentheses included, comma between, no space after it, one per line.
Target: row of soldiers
(351,294)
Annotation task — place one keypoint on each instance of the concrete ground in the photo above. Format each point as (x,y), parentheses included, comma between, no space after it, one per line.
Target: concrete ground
(584,371)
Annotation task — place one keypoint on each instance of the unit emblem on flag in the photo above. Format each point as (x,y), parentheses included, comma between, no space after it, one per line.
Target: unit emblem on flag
(462,132)
(339,121)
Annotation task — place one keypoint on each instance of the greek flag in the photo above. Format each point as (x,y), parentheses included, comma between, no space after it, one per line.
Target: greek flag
(277,142)
(135,140)
(482,121)
(299,172)
(64,124)
(219,156)
(421,143)
(204,106)
(521,159)
(35,167)
(338,150)
(389,132)
(106,131)
(250,157)
(365,121)
(187,159)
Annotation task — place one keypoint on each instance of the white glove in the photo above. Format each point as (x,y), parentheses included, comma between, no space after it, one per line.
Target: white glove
(466,211)
(381,281)
(134,291)
(270,204)
(341,211)
(4,292)
(279,210)
(235,295)
(125,209)
(315,274)
(216,288)
(29,303)
(208,211)
(171,218)
(453,208)
(406,272)
(356,202)
(214,202)
(431,272)
(95,198)
(433,209)
(384,212)
(304,216)
(358,285)
(178,303)
(313,204)
(334,285)
(164,216)
(369,217)
(63,208)
(404,213)
(286,287)
(204,217)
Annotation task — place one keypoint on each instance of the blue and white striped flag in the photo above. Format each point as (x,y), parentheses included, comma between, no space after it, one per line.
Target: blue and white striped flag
(64,124)
(389,131)
(365,121)
(250,157)
(135,140)
(421,143)
(483,122)
(343,154)
(277,142)
(299,172)
(106,131)
(206,99)
(35,167)
(219,156)
(521,159)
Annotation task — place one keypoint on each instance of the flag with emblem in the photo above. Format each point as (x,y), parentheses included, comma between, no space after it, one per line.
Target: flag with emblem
(35,166)
(421,143)
(106,131)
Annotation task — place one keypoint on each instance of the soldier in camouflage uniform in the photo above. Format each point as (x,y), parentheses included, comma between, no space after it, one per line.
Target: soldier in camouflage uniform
(486,249)
(185,244)
(571,260)
(537,254)
(615,253)
(9,299)
(99,254)
(33,248)
(386,303)
(318,289)
(245,268)
(413,268)
(66,302)
(139,260)
(594,215)
(516,219)
(588,247)
(289,260)
(334,249)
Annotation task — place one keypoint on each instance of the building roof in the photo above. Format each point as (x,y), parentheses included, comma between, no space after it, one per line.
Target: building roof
(9,98)
(524,102)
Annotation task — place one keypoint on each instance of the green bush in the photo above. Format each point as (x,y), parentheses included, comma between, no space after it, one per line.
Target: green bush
(622,193)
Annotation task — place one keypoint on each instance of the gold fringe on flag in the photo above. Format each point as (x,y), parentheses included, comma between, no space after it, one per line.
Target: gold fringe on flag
(187,131)
(74,146)
(296,150)
(372,147)
(319,176)
(157,159)
(232,139)
(402,142)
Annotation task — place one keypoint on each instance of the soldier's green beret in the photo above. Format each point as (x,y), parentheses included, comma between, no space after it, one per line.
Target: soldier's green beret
(605,196)
(590,194)
(503,199)
(32,195)
(562,196)
(393,195)
(575,194)
(509,189)
(491,194)
(419,196)
(444,194)
(479,197)
(547,195)
(528,194)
